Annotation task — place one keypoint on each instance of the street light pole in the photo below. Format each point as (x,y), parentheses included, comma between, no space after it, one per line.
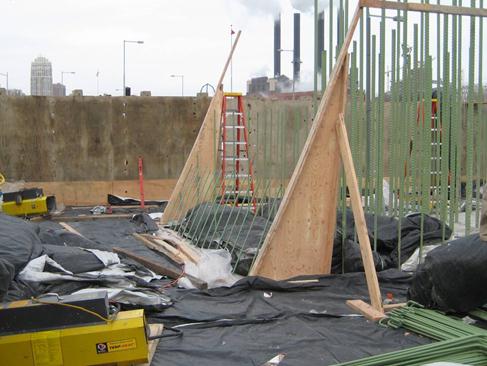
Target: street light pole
(124,42)
(182,82)
(6,77)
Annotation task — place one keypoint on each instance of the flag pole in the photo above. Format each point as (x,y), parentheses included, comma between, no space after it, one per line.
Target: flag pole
(231,60)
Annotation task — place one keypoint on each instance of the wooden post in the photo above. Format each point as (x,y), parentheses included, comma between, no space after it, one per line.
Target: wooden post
(425,8)
(141,183)
(358,215)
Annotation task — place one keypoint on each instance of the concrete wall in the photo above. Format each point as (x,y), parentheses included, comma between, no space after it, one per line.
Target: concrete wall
(60,142)
(96,138)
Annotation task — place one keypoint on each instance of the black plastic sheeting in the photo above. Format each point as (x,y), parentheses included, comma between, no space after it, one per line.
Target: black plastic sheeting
(254,320)
(387,255)
(19,243)
(453,277)
(145,223)
(124,201)
(248,323)
(212,225)
(227,227)
(22,241)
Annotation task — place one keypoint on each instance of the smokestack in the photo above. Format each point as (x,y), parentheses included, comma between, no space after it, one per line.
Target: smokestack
(321,37)
(297,46)
(277,46)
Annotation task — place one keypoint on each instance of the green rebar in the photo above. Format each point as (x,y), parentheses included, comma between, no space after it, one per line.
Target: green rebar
(470,126)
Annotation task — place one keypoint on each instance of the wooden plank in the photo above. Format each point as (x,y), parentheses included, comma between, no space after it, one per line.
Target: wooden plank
(359,217)
(70,228)
(151,245)
(155,330)
(300,240)
(202,158)
(182,244)
(274,361)
(91,193)
(425,8)
(90,217)
(114,207)
(303,281)
(366,310)
(174,251)
(159,268)
(389,307)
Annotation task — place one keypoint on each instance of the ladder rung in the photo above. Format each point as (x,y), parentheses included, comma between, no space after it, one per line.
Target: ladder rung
(233,111)
(233,126)
(234,142)
(238,192)
(239,159)
(237,175)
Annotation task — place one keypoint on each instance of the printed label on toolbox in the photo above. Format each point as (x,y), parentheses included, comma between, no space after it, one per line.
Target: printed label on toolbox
(46,348)
(115,346)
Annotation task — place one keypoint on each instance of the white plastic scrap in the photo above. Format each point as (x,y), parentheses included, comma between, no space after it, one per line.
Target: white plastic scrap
(214,268)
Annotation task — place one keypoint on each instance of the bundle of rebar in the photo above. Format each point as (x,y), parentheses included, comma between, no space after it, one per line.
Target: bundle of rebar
(470,350)
(429,323)
(458,341)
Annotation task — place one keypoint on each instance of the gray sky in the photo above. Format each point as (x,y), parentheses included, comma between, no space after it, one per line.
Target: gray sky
(190,37)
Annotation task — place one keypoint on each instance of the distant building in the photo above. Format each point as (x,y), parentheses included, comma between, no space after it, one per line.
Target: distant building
(15,92)
(41,77)
(258,85)
(265,85)
(58,90)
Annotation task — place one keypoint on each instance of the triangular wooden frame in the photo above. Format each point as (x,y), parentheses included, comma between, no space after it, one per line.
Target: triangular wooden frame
(300,240)
(202,156)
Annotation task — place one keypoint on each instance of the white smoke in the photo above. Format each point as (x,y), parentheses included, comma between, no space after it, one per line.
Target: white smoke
(306,6)
(263,7)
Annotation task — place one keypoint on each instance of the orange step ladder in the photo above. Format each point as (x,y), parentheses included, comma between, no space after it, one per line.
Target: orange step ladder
(237,182)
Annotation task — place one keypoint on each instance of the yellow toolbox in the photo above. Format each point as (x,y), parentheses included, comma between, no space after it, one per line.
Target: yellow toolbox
(35,206)
(122,342)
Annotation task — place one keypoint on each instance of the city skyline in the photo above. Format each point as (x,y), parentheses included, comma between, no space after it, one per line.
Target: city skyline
(79,37)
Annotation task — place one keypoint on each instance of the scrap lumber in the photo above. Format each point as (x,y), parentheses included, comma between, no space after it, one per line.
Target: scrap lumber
(182,244)
(171,249)
(70,228)
(366,310)
(202,158)
(160,268)
(274,361)
(389,307)
(155,331)
(297,282)
(151,245)
(90,217)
